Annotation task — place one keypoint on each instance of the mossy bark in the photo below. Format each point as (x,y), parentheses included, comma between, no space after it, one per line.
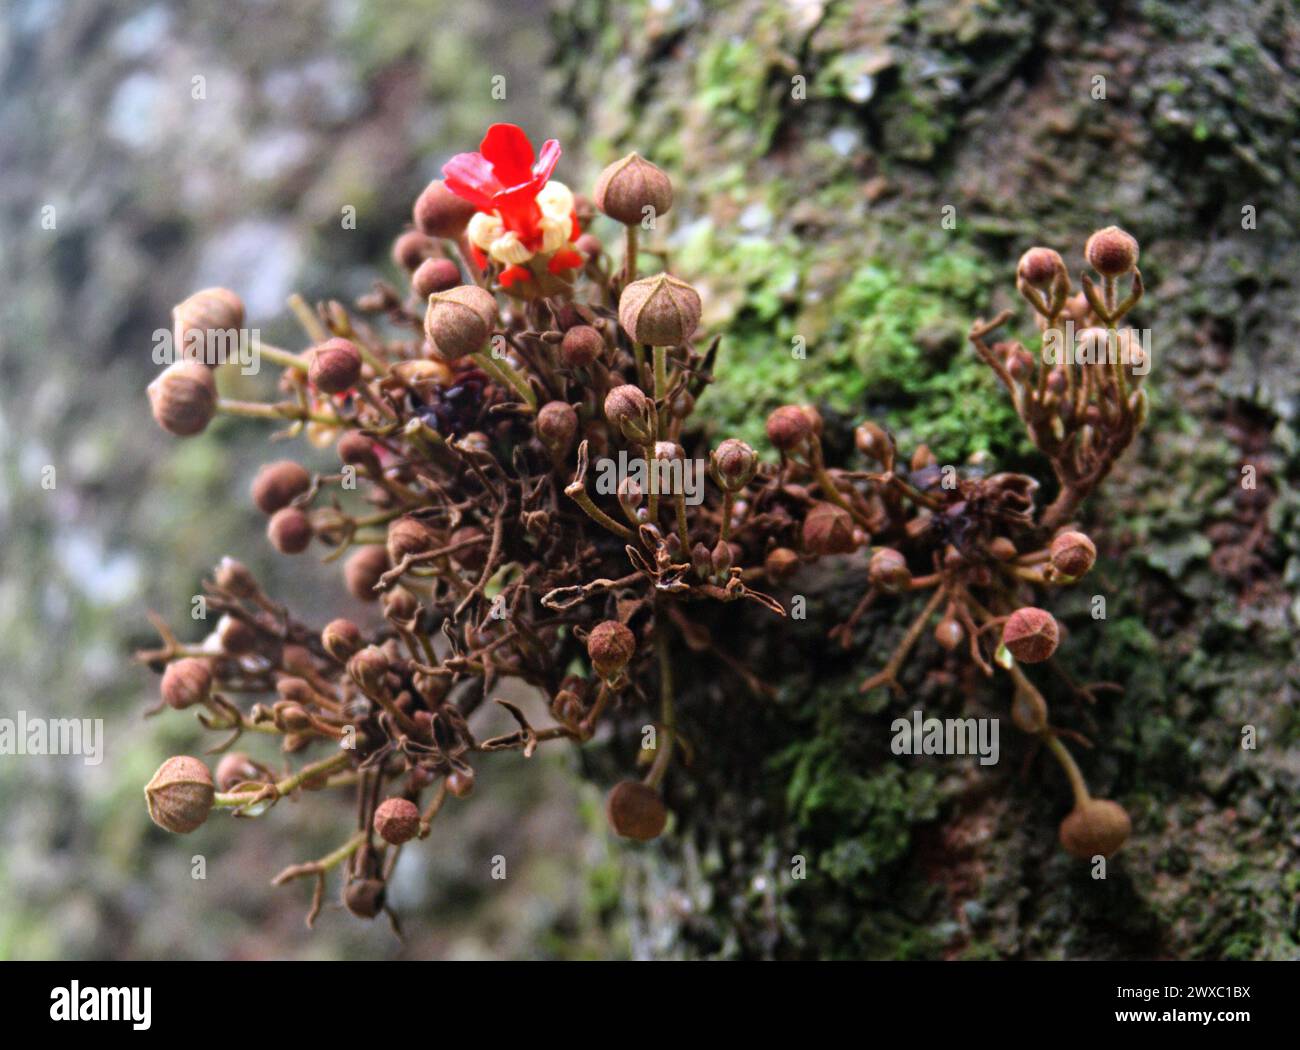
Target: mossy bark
(857,180)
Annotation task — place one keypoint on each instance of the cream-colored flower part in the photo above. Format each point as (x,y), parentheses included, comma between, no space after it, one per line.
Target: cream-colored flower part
(483,229)
(487,232)
(556,201)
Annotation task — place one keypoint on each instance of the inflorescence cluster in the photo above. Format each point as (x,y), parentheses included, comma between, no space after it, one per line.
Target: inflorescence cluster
(468,412)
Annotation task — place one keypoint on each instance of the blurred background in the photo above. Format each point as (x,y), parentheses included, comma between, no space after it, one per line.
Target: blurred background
(808,210)
(305,107)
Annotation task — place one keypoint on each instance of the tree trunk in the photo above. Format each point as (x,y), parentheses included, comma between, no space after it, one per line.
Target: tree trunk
(858,179)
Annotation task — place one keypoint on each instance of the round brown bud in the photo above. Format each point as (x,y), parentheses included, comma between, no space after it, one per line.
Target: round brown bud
(659,311)
(460,320)
(364,898)
(368,668)
(408,535)
(357,450)
(235,577)
(1039,267)
(557,426)
(1111,252)
(440,213)
(589,244)
(183,398)
(1095,827)
(412,248)
(628,409)
(289,531)
(204,312)
(297,659)
(629,186)
(235,768)
(236,636)
(734,463)
(179,797)
(1002,549)
(460,782)
(335,366)
(949,633)
(1031,634)
(581,346)
(788,427)
(828,529)
(397,820)
(341,638)
(186,682)
(635,811)
(888,571)
(611,646)
(434,275)
(872,441)
(362,571)
(1072,554)
(279,484)
(474,556)
(400,604)
(780,563)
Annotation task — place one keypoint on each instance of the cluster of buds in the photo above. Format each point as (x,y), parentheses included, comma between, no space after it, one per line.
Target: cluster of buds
(467,413)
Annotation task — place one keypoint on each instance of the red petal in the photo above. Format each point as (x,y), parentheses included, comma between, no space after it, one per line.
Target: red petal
(565,259)
(510,153)
(575,230)
(479,258)
(511,274)
(550,157)
(471,176)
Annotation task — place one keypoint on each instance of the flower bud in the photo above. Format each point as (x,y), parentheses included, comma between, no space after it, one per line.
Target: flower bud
(557,427)
(401,605)
(357,450)
(949,633)
(629,186)
(460,782)
(1031,634)
(780,563)
(440,213)
(1111,252)
(412,248)
(362,571)
(630,495)
(888,571)
(722,557)
(341,638)
(236,637)
(235,768)
(364,898)
(589,244)
(289,531)
(279,484)
(472,557)
(828,529)
(183,398)
(872,441)
(186,682)
(1072,554)
(460,320)
(1003,549)
(335,366)
(611,646)
(635,811)
(397,820)
(788,427)
(659,311)
(433,276)
(211,310)
(408,535)
(234,577)
(1095,827)
(180,795)
(369,668)
(734,463)
(628,409)
(581,346)
(1040,267)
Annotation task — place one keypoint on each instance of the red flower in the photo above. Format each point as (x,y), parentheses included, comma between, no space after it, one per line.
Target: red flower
(504,177)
